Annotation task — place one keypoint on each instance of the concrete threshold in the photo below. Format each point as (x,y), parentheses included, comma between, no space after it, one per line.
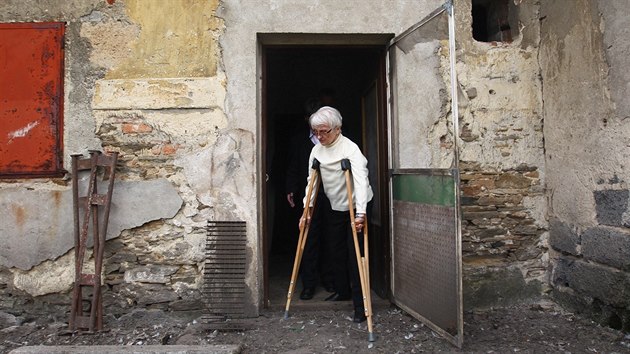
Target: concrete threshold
(129,349)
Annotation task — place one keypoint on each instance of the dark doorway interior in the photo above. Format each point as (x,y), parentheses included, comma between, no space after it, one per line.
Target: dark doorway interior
(292,75)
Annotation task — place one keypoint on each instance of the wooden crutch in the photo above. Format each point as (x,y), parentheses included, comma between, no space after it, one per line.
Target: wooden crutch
(362,262)
(304,226)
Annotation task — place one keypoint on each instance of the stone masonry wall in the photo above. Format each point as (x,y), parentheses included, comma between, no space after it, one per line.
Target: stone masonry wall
(502,167)
(584,66)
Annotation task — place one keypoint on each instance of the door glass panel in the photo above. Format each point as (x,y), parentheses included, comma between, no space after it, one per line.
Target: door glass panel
(420,87)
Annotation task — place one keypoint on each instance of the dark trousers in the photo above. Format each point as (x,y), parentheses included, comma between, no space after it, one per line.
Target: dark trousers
(315,261)
(343,256)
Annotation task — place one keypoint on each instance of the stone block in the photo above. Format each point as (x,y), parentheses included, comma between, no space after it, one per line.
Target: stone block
(607,245)
(119,258)
(599,312)
(489,233)
(8,320)
(489,286)
(562,237)
(150,274)
(187,305)
(513,181)
(608,285)
(142,294)
(151,294)
(481,215)
(611,205)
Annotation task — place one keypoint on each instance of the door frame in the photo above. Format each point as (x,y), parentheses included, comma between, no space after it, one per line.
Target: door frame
(267,40)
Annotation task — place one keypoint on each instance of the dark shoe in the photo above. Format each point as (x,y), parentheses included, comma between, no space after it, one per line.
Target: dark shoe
(329,287)
(337,297)
(359,316)
(307,293)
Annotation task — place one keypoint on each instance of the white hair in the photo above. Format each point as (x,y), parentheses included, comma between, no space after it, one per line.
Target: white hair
(326,116)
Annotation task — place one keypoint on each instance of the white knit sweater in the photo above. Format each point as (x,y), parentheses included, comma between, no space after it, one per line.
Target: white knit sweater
(333,177)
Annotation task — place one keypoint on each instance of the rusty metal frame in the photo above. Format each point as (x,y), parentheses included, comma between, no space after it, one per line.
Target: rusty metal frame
(98,164)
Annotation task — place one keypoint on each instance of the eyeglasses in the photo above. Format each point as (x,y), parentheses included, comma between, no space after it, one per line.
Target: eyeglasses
(322,132)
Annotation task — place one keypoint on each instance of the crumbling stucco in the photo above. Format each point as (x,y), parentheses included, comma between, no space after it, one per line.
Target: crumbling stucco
(109,40)
(177,39)
(39,224)
(502,157)
(585,141)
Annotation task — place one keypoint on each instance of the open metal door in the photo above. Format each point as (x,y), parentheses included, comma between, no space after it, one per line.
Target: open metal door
(425,223)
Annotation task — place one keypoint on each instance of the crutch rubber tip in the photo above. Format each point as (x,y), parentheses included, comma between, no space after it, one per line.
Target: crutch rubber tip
(286,315)
(371,337)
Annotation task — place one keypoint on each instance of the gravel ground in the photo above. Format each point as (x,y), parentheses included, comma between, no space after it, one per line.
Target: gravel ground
(538,328)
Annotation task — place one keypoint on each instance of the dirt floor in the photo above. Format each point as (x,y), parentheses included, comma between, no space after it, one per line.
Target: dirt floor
(540,328)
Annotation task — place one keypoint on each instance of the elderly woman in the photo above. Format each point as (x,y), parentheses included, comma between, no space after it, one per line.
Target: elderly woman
(332,148)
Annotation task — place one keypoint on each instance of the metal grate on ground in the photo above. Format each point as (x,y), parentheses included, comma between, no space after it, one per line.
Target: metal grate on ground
(224,274)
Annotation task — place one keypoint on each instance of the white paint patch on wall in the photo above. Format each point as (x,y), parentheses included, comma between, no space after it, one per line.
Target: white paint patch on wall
(22,132)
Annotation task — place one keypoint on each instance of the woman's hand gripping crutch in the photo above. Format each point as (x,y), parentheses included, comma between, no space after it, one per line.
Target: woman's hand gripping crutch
(362,262)
(305,223)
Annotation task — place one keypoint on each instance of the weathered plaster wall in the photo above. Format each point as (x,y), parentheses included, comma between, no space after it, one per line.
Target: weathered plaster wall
(502,162)
(245,19)
(584,61)
(141,79)
(177,39)
(149,79)
(175,90)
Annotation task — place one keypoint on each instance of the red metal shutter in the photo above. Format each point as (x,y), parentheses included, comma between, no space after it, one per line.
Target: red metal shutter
(31,99)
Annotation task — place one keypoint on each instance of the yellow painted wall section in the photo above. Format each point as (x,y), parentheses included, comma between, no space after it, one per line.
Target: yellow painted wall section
(178,38)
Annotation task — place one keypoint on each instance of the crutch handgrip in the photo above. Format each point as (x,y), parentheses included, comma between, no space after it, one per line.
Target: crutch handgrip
(345,165)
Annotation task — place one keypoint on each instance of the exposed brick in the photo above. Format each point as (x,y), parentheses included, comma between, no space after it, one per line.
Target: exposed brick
(139,128)
(608,246)
(169,149)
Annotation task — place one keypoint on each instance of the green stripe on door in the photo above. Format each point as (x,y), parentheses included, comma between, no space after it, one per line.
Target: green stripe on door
(423,189)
